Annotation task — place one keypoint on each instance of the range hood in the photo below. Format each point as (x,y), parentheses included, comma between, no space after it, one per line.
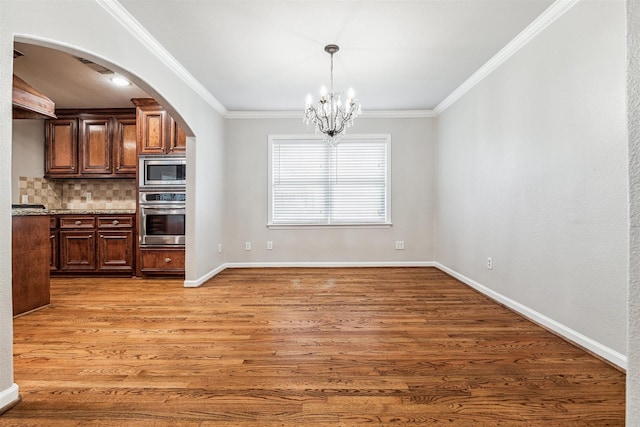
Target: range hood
(28,103)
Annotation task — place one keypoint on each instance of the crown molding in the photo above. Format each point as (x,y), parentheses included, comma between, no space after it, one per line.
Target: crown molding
(375,114)
(546,18)
(550,15)
(127,20)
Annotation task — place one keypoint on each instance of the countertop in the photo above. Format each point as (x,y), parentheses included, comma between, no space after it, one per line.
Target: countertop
(35,211)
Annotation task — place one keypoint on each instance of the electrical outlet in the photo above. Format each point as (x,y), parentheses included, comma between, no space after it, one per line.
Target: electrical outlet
(89,197)
(247,246)
(400,245)
(269,245)
(219,248)
(25,199)
(489,263)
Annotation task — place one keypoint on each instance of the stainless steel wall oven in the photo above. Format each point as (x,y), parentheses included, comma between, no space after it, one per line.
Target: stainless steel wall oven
(162,217)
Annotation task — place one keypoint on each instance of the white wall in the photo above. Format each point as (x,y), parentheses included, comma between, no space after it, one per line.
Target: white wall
(412,211)
(102,39)
(633,103)
(27,156)
(531,171)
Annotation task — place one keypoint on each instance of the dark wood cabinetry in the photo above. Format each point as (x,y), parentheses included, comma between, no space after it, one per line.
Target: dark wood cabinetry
(30,270)
(125,149)
(95,146)
(77,250)
(115,244)
(158,133)
(96,244)
(91,144)
(61,147)
(77,243)
(177,139)
(164,261)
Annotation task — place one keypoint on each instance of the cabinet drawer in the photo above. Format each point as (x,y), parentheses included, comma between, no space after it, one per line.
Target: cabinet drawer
(162,260)
(77,222)
(115,222)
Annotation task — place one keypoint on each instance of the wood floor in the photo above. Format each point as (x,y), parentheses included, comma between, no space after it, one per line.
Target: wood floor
(299,347)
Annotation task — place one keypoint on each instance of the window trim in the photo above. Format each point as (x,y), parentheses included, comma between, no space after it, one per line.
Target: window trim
(315,138)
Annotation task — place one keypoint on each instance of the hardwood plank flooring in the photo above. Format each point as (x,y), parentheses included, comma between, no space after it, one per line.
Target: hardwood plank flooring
(299,347)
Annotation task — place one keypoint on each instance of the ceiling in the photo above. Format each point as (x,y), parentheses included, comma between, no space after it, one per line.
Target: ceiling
(267,55)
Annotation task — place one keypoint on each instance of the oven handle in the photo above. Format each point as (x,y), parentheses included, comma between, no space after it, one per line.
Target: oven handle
(169,207)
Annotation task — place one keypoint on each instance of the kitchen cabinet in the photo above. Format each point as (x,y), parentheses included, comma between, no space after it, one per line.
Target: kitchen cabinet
(115,244)
(125,146)
(61,147)
(77,243)
(162,261)
(158,133)
(91,144)
(30,269)
(95,146)
(177,139)
(96,244)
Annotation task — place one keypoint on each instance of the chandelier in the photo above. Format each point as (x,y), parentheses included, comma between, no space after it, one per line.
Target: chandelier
(330,116)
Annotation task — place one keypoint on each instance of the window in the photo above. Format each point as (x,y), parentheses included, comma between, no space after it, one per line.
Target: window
(312,183)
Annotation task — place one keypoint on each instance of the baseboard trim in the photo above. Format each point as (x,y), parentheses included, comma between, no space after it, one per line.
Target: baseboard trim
(8,398)
(198,282)
(588,344)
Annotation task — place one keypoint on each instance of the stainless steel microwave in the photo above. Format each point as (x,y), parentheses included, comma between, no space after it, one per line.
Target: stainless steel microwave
(163,171)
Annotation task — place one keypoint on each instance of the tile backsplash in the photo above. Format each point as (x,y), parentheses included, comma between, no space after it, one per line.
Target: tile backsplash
(72,193)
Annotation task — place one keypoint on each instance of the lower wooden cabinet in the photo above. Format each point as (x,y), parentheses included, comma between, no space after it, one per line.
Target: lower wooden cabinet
(94,244)
(30,272)
(115,251)
(165,261)
(77,250)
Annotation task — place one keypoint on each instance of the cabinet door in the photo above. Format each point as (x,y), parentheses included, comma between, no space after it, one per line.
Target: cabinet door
(115,251)
(125,153)
(152,129)
(61,156)
(178,140)
(95,146)
(77,250)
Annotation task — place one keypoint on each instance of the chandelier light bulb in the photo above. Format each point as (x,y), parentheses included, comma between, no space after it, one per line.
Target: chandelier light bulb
(330,116)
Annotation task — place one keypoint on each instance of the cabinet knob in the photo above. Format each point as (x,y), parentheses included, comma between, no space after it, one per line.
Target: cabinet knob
(52,236)
(116,222)
(78,222)
(167,260)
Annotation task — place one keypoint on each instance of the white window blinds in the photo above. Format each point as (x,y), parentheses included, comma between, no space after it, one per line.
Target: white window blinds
(313,183)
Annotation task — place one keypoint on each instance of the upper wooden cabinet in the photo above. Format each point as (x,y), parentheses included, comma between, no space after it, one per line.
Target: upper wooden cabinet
(125,147)
(91,144)
(61,147)
(95,146)
(158,133)
(178,139)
